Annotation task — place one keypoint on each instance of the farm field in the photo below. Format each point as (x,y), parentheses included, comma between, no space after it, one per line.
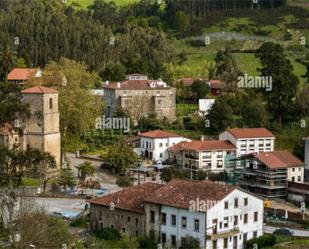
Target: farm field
(86,3)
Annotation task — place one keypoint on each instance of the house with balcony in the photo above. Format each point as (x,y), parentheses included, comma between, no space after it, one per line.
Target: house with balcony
(155,144)
(140,96)
(208,155)
(249,140)
(217,215)
(267,173)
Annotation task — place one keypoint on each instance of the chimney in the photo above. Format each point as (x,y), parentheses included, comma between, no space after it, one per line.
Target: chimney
(107,82)
(202,138)
(118,84)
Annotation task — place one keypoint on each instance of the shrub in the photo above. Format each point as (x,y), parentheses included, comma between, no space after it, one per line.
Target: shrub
(109,234)
(262,242)
(146,243)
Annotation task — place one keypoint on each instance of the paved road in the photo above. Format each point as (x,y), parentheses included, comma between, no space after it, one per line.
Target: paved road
(297,232)
(53,204)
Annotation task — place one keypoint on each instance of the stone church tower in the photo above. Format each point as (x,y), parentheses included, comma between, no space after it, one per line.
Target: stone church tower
(42,128)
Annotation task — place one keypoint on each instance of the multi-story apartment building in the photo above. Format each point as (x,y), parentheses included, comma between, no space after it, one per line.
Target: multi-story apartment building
(140,97)
(216,215)
(249,140)
(267,173)
(155,144)
(208,155)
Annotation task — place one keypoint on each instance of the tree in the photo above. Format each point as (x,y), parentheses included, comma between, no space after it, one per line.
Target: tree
(85,169)
(7,61)
(181,21)
(302,101)
(190,242)
(306,76)
(220,116)
(124,181)
(114,72)
(66,178)
(78,107)
(120,156)
(227,69)
(254,113)
(199,89)
(128,242)
(284,82)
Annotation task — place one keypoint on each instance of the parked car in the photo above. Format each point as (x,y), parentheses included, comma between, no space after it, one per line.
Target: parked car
(283,231)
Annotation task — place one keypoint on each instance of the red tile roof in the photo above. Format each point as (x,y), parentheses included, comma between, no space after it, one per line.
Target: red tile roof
(216,84)
(130,199)
(179,192)
(39,90)
(158,134)
(188,81)
(209,145)
(21,73)
(177,147)
(278,159)
(136,85)
(250,132)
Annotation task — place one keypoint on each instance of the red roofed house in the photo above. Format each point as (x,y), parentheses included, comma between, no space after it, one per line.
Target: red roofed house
(217,215)
(141,97)
(267,173)
(216,86)
(208,155)
(249,140)
(155,144)
(20,75)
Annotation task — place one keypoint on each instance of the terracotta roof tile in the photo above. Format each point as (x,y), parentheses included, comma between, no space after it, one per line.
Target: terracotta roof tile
(177,147)
(21,73)
(250,132)
(179,192)
(278,159)
(131,198)
(209,145)
(158,134)
(216,84)
(39,90)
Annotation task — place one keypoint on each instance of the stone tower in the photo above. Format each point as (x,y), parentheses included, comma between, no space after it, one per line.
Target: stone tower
(42,128)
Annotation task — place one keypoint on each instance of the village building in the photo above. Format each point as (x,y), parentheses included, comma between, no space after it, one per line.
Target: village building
(140,96)
(154,145)
(216,215)
(249,140)
(42,128)
(19,76)
(208,155)
(267,173)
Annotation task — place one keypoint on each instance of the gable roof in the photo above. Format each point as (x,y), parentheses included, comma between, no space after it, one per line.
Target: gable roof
(158,134)
(21,73)
(250,132)
(39,90)
(208,145)
(278,159)
(179,192)
(130,199)
(177,147)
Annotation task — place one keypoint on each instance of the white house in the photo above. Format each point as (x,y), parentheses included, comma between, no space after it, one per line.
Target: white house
(205,105)
(218,216)
(249,140)
(155,144)
(208,155)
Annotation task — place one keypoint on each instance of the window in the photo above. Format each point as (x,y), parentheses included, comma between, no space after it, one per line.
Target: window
(163,237)
(161,145)
(220,225)
(152,216)
(160,102)
(220,154)
(173,220)
(50,103)
(293,178)
(246,201)
(161,154)
(235,220)
(299,169)
(124,229)
(254,234)
(129,218)
(163,218)
(196,225)
(226,205)
(245,238)
(214,244)
(299,178)
(136,221)
(245,218)
(236,203)
(226,221)
(183,222)
(207,155)
(173,237)
(219,164)
(293,169)
(255,216)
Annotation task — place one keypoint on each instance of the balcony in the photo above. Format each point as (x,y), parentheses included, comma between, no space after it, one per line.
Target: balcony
(190,156)
(223,234)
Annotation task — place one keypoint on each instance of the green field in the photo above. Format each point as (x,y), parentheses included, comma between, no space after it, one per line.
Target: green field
(86,3)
